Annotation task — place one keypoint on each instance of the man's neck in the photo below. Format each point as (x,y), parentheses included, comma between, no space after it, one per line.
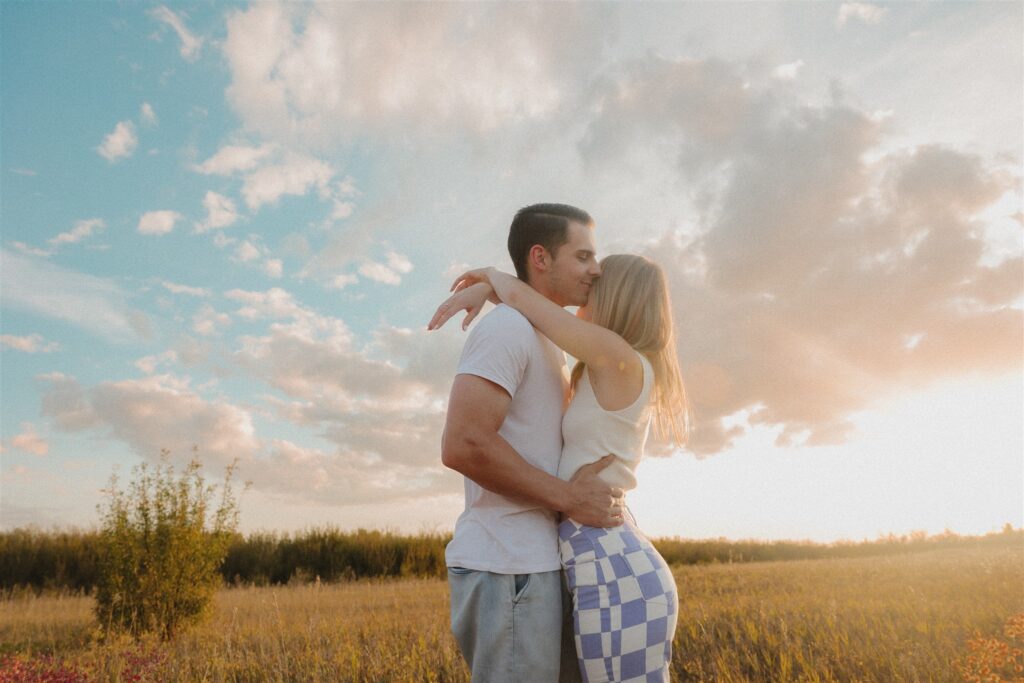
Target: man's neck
(542,287)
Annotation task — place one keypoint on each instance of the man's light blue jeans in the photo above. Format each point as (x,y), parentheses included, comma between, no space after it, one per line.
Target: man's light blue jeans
(512,627)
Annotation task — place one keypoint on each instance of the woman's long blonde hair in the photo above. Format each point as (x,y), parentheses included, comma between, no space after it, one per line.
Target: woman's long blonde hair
(631,299)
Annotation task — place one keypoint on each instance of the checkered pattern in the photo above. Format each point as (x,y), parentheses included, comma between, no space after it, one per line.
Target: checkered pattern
(624,603)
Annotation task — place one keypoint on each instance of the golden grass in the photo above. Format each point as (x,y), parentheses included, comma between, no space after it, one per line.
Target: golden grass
(899,618)
(879,619)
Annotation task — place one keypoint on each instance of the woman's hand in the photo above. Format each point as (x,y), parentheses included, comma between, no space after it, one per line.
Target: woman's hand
(469,296)
(472,277)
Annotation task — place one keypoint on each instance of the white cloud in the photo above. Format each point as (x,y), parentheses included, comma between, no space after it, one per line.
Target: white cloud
(190,44)
(29,441)
(120,143)
(865,12)
(87,301)
(346,475)
(342,209)
(220,240)
(24,171)
(399,262)
(247,252)
(234,158)
(147,114)
(390,273)
(149,364)
(309,72)
(158,222)
(902,239)
(701,107)
(185,289)
(273,267)
(208,319)
(346,187)
(274,303)
(788,72)
(271,173)
(385,417)
(343,188)
(380,273)
(152,413)
(33,343)
(82,229)
(220,212)
(313,358)
(64,400)
(30,250)
(296,175)
(342,281)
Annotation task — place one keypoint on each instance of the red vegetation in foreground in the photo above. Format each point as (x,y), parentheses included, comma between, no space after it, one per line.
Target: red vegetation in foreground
(45,669)
(991,660)
(137,666)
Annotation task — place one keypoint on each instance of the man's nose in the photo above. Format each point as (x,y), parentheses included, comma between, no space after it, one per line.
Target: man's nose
(595,270)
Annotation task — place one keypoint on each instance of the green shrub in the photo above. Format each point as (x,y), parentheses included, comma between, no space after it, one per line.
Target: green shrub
(162,544)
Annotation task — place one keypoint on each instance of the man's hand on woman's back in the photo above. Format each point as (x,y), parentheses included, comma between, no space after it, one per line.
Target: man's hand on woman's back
(592,501)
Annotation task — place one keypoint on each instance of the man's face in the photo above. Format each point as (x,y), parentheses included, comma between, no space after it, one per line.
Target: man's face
(573,268)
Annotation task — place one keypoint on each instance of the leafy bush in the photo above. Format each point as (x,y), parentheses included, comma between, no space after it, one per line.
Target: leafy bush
(162,544)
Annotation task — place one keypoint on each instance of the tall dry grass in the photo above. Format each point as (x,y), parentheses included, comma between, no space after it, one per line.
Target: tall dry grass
(895,618)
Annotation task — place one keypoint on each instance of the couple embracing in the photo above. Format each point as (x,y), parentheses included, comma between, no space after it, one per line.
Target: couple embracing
(550,578)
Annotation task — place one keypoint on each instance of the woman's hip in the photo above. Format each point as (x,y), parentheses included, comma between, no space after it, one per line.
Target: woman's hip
(621,559)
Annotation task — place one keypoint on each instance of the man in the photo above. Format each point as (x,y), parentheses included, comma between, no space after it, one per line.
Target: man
(510,613)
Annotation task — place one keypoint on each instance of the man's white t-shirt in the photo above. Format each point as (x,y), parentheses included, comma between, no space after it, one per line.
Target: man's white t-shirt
(495,533)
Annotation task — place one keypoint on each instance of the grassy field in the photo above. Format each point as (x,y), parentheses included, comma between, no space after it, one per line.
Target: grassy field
(898,618)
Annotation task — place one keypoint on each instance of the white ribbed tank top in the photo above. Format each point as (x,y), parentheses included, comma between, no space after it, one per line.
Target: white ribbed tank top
(589,432)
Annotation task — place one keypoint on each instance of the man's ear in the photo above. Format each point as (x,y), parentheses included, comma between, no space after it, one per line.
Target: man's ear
(539,258)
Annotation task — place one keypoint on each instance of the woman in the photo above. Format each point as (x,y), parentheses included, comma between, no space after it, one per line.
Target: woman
(624,596)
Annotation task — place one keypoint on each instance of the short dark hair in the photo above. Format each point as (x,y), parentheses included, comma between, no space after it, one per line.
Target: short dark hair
(543,224)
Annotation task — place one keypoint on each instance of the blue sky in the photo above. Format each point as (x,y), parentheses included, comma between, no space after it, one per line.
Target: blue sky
(227,224)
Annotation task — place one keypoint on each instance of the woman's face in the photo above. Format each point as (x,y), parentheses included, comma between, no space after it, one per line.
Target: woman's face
(584,312)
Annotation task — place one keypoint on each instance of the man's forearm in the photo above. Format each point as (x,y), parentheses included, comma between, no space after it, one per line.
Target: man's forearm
(493,464)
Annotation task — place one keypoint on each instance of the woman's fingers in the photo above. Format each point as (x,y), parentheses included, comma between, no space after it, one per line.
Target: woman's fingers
(450,307)
(441,315)
(461,280)
(470,277)
(463,299)
(473,312)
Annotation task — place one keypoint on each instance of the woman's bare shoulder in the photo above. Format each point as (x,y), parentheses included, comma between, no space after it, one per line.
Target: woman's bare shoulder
(619,381)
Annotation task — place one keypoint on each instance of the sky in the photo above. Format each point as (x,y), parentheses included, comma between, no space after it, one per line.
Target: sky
(225,226)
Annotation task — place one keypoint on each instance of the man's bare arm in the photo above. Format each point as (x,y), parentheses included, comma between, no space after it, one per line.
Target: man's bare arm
(472,446)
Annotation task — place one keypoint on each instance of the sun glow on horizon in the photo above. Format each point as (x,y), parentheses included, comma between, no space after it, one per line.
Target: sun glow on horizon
(911,466)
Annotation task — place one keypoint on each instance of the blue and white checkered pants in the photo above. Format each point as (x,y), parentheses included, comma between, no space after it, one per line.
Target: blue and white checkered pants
(625,603)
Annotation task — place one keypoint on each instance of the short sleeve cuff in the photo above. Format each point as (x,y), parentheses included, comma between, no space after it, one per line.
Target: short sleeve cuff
(504,382)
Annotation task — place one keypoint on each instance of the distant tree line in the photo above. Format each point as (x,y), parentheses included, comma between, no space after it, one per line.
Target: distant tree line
(706,551)
(70,560)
